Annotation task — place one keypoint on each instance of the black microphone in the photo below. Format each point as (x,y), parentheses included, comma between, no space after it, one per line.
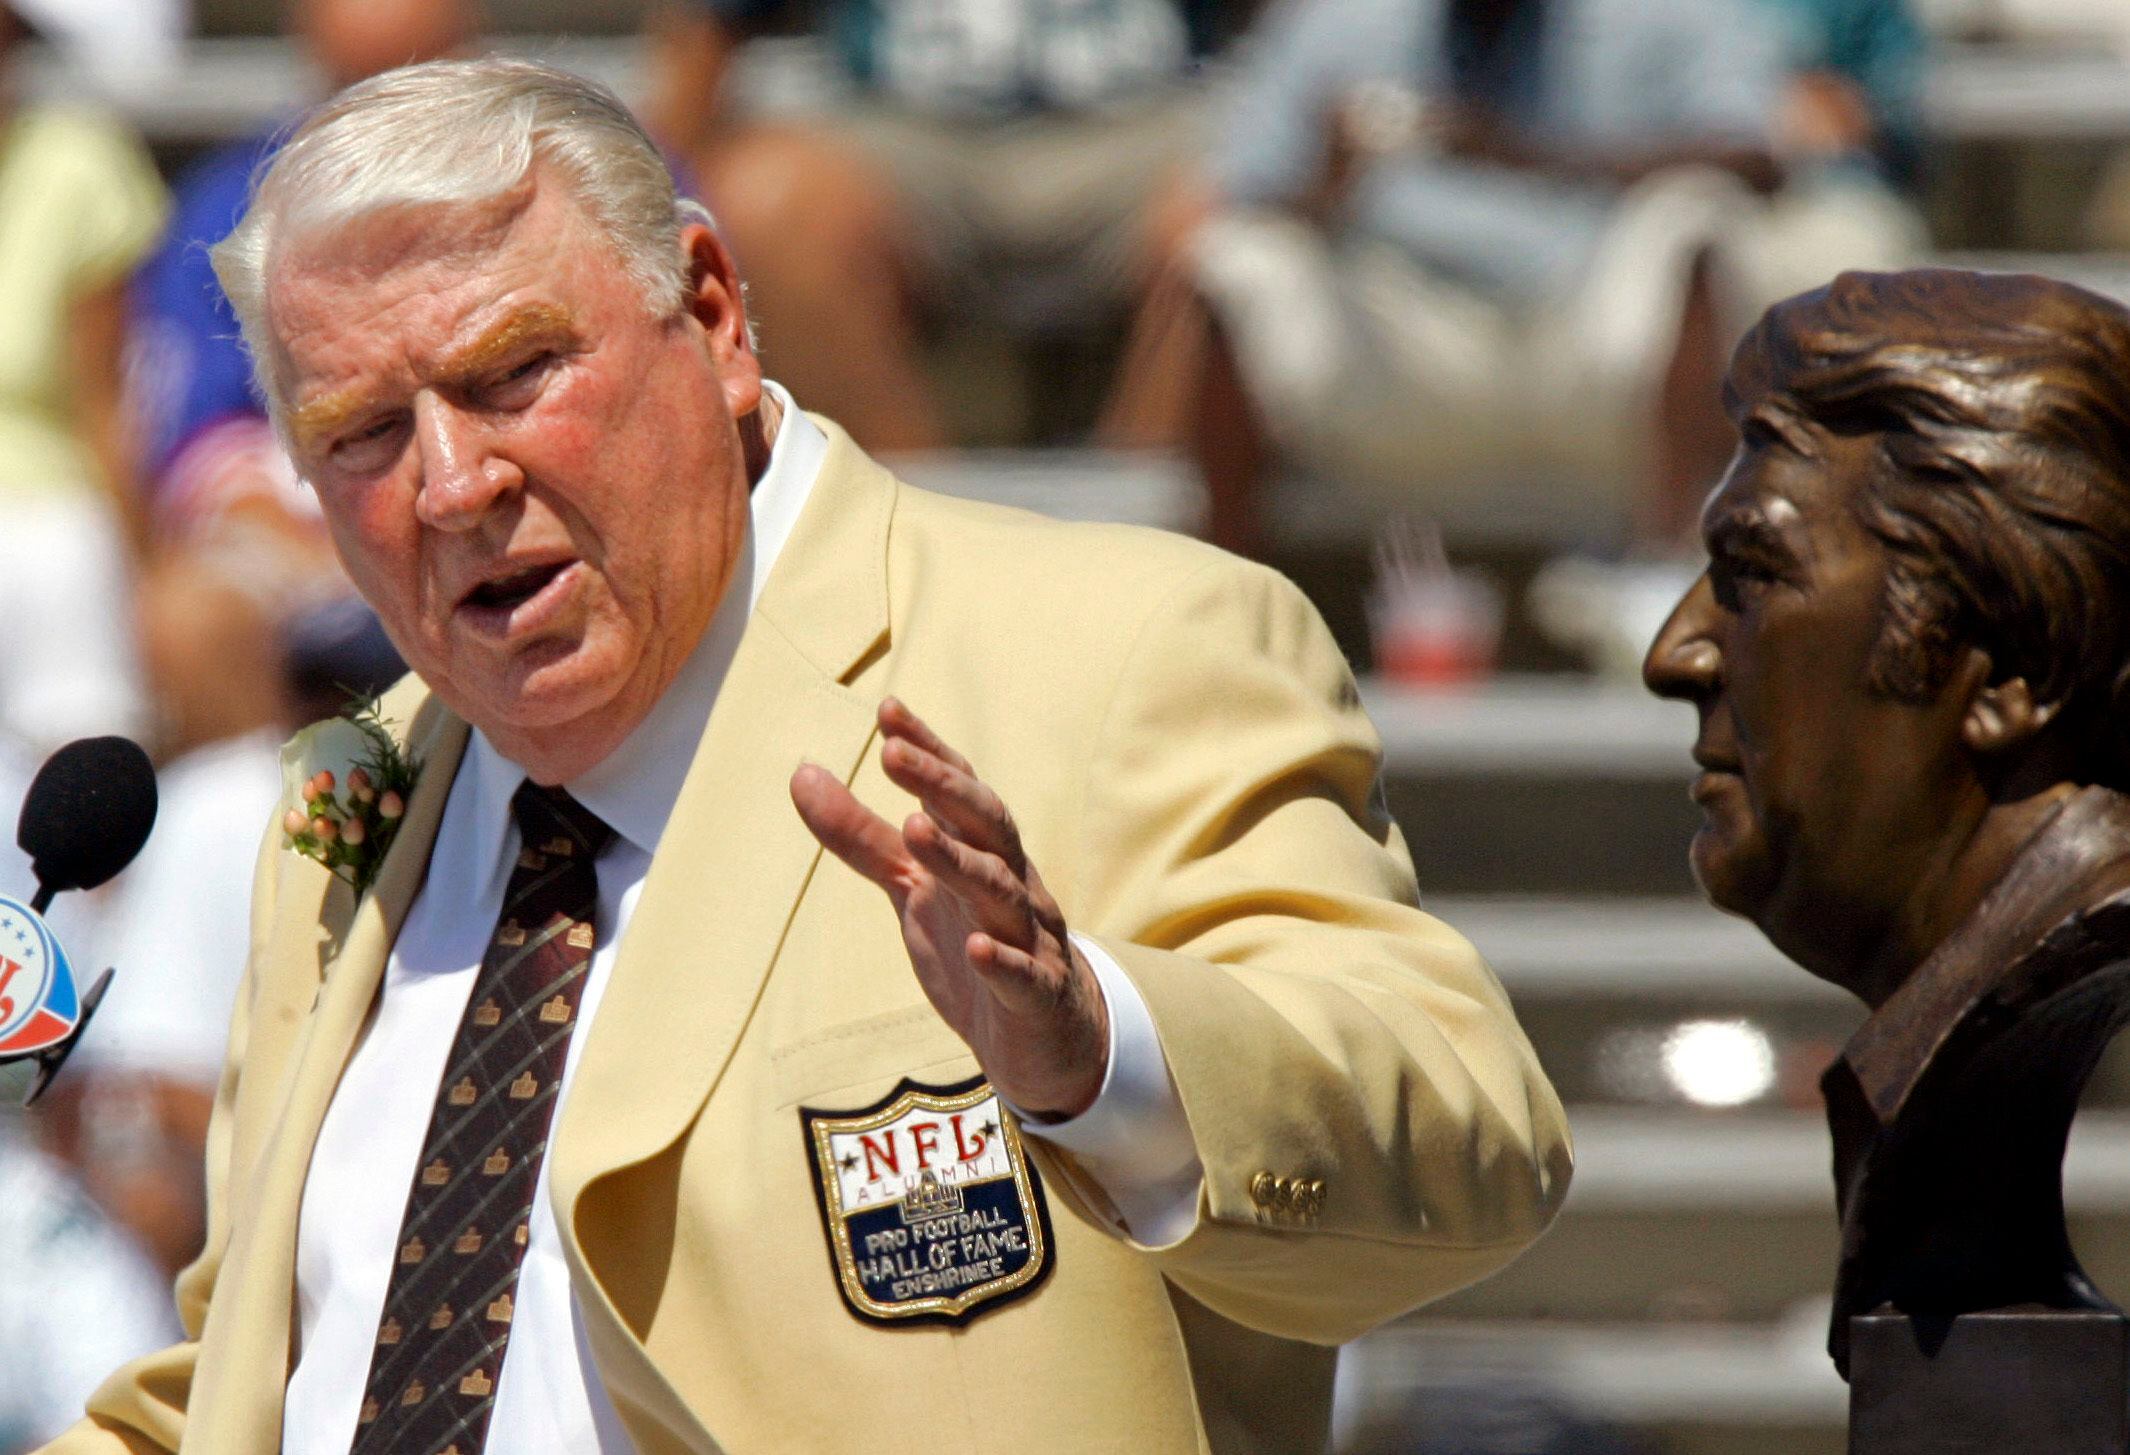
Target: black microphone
(87,813)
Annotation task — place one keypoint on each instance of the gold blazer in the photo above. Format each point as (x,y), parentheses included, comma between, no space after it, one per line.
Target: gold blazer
(1184,751)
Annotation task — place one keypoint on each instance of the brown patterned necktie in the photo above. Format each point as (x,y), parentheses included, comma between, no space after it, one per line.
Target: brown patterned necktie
(447,1315)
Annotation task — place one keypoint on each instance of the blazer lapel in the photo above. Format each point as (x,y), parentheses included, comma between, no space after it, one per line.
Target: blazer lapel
(724,884)
(237,1397)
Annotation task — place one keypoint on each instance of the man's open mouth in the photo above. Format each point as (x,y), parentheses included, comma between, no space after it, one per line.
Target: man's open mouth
(506,592)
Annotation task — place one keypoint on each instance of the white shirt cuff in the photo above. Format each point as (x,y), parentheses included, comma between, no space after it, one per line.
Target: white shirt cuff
(1133,1139)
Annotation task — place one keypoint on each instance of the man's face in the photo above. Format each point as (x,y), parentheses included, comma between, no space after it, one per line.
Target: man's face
(1821,795)
(537,482)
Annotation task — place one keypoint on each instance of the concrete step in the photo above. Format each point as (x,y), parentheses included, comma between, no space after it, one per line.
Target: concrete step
(1663,950)
(1552,726)
(1770,1375)
(1731,1216)
(1660,1003)
(1543,785)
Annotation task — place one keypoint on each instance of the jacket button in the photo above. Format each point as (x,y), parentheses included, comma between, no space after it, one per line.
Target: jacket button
(1308,1198)
(1263,1188)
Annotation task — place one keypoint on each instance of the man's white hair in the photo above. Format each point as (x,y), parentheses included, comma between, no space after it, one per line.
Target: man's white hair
(447,132)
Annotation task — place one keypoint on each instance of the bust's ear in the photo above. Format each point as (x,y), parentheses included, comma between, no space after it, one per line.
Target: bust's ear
(2000,714)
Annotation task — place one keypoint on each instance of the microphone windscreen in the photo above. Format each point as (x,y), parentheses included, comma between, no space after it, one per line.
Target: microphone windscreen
(88,812)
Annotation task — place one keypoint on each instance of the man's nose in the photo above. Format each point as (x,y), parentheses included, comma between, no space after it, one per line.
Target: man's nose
(462,475)
(1684,660)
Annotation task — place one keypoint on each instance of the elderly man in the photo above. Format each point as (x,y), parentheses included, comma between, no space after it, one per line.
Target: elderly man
(1909,654)
(1116,1186)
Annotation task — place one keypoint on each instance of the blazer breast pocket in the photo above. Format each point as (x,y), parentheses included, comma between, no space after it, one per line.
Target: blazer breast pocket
(855,1061)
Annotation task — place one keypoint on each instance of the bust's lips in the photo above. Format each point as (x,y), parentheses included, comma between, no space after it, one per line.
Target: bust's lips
(1716,771)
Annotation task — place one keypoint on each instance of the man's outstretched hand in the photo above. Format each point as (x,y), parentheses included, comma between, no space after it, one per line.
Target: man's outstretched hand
(986,939)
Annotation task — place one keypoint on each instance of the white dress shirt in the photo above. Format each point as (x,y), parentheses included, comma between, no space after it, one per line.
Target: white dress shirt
(549,1397)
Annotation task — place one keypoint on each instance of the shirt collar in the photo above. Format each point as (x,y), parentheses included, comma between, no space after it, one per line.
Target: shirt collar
(634,787)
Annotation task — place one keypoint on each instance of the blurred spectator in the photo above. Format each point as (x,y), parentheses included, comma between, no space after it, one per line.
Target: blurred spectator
(79,204)
(1849,135)
(1031,164)
(78,1298)
(1475,240)
(1855,93)
(243,547)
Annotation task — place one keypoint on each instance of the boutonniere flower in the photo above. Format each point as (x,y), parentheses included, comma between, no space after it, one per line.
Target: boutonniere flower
(346,782)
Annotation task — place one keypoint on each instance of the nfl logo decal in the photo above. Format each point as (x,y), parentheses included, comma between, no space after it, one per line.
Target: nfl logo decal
(932,1210)
(38,1006)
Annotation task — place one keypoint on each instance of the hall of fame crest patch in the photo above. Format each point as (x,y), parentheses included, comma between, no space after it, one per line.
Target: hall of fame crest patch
(932,1210)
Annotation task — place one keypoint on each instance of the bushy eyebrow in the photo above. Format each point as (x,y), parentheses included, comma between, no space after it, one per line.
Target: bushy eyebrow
(1747,531)
(1778,418)
(328,414)
(536,323)
(323,417)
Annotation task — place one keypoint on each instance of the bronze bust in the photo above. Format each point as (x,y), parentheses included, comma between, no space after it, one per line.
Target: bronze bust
(1910,653)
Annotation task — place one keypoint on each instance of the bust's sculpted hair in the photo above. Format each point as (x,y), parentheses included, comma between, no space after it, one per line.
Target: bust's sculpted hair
(2001,409)
(450,132)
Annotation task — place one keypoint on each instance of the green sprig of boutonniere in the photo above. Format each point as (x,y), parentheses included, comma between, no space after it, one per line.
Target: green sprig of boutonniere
(346,782)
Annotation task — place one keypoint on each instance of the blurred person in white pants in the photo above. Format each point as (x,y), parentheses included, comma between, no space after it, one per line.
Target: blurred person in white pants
(1464,242)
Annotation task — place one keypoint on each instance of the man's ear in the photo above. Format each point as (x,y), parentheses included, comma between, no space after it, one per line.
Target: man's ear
(2001,713)
(716,302)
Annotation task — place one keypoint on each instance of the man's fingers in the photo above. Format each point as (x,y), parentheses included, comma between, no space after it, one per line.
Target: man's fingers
(920,762)
(897,721)
(849,830)
(1021,982)
(964,805)
(995,899)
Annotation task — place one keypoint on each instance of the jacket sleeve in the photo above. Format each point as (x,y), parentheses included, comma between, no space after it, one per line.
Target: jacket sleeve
(141,1407)
(1374,1128)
